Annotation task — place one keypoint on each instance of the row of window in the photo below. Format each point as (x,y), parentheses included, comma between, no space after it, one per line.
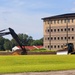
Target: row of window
(59,21)
(62,30)
(54,46)
(60,38)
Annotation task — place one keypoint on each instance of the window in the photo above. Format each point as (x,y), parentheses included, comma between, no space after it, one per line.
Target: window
(61,29)
(61,46)
(48,46)
(48,30)
(72,37)
(51,38)
(68,29)
(54,38)
(54,21)
(58,30)
(58,46)
(65,38)
(69,20)
(51,22)
(72,29)
(51,30)
(54,46)
(65,21)
(68,37)
(48,22)
(54,30)
(58,21)
(48,38)
(65,29)
(61,38)
(51,46)
(58,38)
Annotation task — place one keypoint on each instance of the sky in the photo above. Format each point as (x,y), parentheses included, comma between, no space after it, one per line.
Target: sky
(24,16)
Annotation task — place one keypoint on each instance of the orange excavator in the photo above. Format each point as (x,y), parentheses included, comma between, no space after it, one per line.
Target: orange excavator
(15,36)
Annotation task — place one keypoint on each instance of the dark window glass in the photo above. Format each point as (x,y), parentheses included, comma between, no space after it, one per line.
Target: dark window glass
(51,38)
(68,29)
(51,30)
(55,46)
(61,29)
(65,21)
(65,37)
(72,29)
(51,46)
(58,38)
(48,30)
(68,37)
(48,46)
(58,46)
(54,21)
(61,38)
(72,37)
(58,30)
(54,30)
(65,29)
(61,46)
(48,38)
(54,38)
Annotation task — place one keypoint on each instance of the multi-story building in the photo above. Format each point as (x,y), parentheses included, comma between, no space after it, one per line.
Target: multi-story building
(59,30)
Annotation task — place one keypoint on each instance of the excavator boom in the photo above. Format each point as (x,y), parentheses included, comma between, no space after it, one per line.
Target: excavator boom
(15,36)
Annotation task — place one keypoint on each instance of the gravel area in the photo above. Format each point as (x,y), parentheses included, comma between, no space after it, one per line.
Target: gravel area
(68,72)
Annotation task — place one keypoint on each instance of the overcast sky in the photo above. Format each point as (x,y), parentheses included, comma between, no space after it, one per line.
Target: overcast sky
(24,16)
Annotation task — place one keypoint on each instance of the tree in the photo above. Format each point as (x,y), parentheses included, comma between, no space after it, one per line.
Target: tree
(1,43)
(7,44)
(37,42)
(14,43)
(25,39)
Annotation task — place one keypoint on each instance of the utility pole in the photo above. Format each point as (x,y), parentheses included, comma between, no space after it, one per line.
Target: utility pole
(49,34)
(67,29)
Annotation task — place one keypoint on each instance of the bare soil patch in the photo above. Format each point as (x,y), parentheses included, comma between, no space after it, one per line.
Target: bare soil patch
(68,72)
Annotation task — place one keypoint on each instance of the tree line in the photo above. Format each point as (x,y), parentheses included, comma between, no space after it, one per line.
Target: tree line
(25,40)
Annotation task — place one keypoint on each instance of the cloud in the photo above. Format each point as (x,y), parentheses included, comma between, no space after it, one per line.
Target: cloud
(22,22)
(24,16)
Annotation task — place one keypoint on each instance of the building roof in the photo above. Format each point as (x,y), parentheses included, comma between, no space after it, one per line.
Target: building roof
(60,16)
(31,47)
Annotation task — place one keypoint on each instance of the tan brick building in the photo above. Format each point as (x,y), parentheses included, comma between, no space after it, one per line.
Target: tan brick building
(59,30)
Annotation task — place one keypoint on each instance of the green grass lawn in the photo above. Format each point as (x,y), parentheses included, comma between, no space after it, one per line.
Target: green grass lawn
(36,63)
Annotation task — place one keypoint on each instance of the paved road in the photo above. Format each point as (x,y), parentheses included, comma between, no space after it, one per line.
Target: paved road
(69,72)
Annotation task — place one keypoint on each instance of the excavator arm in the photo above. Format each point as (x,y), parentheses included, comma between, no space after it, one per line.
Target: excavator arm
(15,36)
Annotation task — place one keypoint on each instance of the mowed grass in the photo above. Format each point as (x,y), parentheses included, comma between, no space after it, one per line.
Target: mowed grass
(36,63)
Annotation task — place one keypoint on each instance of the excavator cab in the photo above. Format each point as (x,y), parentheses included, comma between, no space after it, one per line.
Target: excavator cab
(69,47)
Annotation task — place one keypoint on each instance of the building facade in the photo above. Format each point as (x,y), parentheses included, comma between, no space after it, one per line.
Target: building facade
(59,30)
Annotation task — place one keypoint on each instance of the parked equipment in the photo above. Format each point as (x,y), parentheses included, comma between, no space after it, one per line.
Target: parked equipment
(15,36)
(69,47)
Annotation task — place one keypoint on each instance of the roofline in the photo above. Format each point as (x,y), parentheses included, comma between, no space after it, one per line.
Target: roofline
(60,16)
